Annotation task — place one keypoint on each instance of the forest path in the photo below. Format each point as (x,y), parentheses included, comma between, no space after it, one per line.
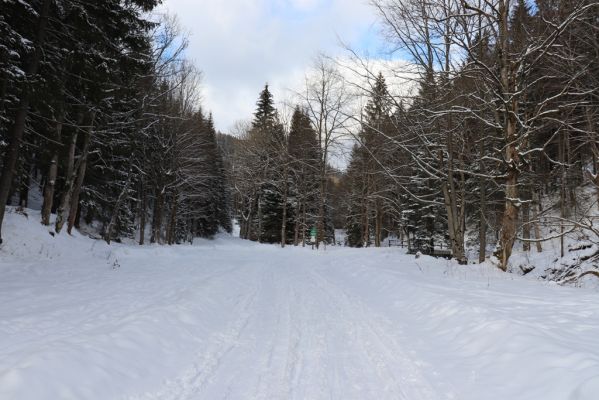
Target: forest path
(292,333)
(229,319)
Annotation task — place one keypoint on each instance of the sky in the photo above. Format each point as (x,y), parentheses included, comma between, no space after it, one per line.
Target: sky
(239,45)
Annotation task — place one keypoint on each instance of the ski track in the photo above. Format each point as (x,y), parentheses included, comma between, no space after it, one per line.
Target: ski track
(296,327)
(382,346)
(207,362)
(253,322)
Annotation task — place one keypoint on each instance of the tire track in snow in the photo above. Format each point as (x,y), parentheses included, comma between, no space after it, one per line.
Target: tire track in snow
(270,347)
(191,382)
(294,361)
(393,365)
(267,381)
(301,337)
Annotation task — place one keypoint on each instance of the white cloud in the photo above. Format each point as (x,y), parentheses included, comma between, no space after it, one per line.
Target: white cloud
(305,5)
(242,44)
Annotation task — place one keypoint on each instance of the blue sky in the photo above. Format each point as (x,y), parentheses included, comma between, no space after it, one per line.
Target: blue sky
(242,44)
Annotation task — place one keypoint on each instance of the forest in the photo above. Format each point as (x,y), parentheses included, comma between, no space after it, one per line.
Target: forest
(230,199)
(487,143)
(492,147)
(100,113)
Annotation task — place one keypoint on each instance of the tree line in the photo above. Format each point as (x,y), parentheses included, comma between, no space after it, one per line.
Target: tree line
(100,112)
(282,179)
(491,132)
(502,120)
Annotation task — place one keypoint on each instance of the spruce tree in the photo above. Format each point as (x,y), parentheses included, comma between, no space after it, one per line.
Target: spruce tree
(265,161)
(304,162)
(265,115)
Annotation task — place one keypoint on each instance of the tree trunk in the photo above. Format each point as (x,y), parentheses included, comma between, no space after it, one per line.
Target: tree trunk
(526,226)
(537,208)
(595,153)
(509,221)
(3,86)
(259,219)
(50,186)
(24,185)
(304,227)
(482,227)
(80,177)
(455,226)
(378,224)
(72,169)
(246,221)
(167,237)
(172,225)
(284,221)
(366,225)
(298,211)
(247,225)
(65,196)
(562,199)
(455,216)
(320,226)
(142,214)
(115,212)
(18,128)
(157,218)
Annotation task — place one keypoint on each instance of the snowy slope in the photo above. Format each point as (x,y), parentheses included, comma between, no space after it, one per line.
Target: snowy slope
(231,319)
(579,266)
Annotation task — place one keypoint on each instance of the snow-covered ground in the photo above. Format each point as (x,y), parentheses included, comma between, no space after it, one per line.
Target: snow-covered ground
(228,319)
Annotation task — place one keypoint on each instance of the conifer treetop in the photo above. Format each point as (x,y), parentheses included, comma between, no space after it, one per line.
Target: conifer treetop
(265,114)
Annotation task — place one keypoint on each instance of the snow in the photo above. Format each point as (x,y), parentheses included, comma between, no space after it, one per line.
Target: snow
(231,319)
(581,246)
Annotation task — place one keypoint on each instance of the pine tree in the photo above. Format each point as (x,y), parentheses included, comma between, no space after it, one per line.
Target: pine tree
(18,122)
(304,163)
(375,137)
(264,173)
(218,200)
(355,200)
(265,115)
(122,139)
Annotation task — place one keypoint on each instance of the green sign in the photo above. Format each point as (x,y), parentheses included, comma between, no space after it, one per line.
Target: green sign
(313,231)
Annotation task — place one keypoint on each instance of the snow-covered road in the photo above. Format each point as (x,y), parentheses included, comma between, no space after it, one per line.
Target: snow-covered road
(234,320)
